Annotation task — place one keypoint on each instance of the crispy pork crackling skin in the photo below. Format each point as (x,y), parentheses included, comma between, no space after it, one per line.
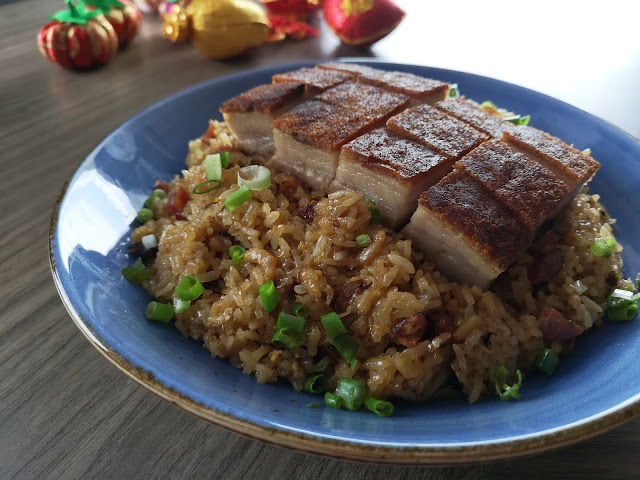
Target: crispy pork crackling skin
(437,130)
(315,79)
(369,101)
(529,189)
(471,113)
(268,98)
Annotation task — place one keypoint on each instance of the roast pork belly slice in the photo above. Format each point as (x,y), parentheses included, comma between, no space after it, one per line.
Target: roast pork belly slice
(437,130)
(390,170)
(419,89)
(528,188)
(370,101)
(316,80)
(308,139)
(470,112)
(568,164)
(469,233)
(249,115)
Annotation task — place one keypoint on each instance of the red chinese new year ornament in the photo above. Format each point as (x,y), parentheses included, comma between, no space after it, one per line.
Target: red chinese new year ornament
(77,38)
(362,22)
(123,16)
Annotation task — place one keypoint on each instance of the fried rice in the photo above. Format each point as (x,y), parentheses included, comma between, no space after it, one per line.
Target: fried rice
(306,243)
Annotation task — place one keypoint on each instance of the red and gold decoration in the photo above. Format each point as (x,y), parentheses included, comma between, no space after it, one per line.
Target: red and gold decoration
(123,16)
(289,19)
(77,38)
(218,29)
(362,22)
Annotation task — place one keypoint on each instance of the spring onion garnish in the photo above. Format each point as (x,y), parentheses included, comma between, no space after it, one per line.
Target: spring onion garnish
(144,215)
(345,344)
(363,240)
(316,383)
(454,92)
(180,305)
(603,247)
(506,392)
(314,405)
(255,177)
(638,282)
(300,310)
(322,365)
(518,120)
(236,252)
(160,312)
(150,241)
(347,347)
(623,305)
(333,325)
(547,361)
(157,194)
(204,188)
(225,159)
(213,164)
(269,296)
(136,272)
(352,393)
(237,198)
(290,330)
(490,104)
(189,288)
(333,400)
(375,213)
(379,407)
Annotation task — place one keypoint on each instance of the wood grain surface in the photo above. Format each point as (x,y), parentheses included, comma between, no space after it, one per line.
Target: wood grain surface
(68,413)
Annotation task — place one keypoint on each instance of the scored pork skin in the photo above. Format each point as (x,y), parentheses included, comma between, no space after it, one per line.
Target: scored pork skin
(470,112)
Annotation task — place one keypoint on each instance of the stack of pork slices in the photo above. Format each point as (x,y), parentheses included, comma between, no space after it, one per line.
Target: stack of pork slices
(469,188)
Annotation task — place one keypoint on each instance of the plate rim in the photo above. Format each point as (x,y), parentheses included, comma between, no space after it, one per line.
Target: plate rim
(335,447)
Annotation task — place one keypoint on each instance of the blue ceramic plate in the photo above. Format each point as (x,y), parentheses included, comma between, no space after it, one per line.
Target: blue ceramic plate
(595,389)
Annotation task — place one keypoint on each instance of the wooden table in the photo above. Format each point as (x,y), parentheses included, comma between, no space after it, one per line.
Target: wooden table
(68,413)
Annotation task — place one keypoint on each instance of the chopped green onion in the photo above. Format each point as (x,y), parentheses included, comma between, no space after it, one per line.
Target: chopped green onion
(333,325)
(316,383)
(236,252)
(150,241)
(322,365)
(237,198)
(547,361)
(136,272)
(214,166)
(638,282)
(375,213)
(144,215)
(314,405)
(255,177)
(603,247)
(189,288)
(157,194)
(623,314)
(621,298)
(518,120)
(300,310)
(333,400)
(290,324)
(160,312)
(501,374)
(363,240)
(490,104)
(507,392)
(347,347)
(225,159)
(180,305)
(269,296)
(352,392)
(454,92)
(201,187)
(379,407)
(286,340)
